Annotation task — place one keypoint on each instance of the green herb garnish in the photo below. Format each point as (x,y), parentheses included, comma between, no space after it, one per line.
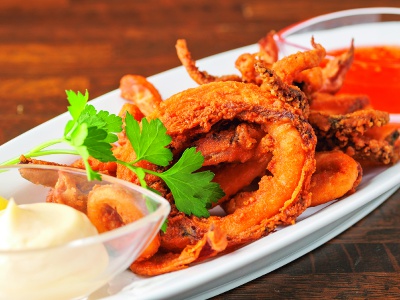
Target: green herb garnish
(193,192)
(91,133)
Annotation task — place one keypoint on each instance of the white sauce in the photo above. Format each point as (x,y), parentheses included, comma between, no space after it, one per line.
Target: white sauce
(53,273)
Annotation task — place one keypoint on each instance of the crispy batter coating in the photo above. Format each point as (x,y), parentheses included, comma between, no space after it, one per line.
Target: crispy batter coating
(282,195)
(200,77)
(108,168)
(291,66)
(349,133)
(334,126)
(212,243)
(70,190)
(111,206)
(285,92)
(268,49)
(336,175)
(335,71)
(258,134)
(339,104)
(141,92)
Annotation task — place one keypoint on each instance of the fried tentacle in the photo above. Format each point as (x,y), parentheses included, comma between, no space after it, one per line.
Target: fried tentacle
(335,71)
(245,64)
(285,92)
(289,67)
(200,77)
(268,49)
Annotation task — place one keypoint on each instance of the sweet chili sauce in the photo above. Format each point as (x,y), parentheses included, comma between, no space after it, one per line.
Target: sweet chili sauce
(375,72)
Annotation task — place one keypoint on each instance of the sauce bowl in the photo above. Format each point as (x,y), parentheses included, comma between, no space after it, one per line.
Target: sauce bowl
(377,77)
(77,268)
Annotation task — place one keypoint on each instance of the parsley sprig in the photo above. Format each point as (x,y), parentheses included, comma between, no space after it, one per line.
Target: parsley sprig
(193,192)
(91,133)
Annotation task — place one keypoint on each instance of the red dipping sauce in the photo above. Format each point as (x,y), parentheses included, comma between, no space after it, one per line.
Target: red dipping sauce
(376,73)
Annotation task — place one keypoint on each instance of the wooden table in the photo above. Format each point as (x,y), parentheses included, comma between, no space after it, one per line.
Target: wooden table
(48,46)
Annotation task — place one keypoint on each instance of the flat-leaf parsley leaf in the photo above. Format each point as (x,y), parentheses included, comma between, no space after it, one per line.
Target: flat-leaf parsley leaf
(91,133)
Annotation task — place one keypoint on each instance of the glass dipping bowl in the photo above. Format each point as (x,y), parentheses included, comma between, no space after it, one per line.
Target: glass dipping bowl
(75,269)
(377,77)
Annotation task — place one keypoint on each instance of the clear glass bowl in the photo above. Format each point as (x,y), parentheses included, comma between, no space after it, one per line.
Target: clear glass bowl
(369,27)
(77,268)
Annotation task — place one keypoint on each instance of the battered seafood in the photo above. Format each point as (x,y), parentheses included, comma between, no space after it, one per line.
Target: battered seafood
(258,134)
(336,175)
(282,192)
(198,76)
(141,92)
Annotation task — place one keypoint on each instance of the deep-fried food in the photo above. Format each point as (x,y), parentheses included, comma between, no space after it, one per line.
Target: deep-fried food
(284,91)
(336,175)
(200,77)
(141,92)
(282,195)
(110,206)
(334,72)
(349,133)
(329,126)
(339,104)
(212,243)
(289,68)
(258,134)
(268,49)
(71,191)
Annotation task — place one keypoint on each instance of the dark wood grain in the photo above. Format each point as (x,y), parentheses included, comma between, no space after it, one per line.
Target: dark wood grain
(48,46)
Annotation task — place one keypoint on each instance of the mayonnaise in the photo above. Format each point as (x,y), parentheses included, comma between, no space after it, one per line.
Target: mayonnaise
(46,271)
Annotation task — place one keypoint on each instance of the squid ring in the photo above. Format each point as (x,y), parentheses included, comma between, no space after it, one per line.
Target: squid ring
(110,206)
(283,190)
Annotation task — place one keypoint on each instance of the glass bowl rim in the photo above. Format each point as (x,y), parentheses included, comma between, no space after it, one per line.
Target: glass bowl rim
(160,213)
(281,34)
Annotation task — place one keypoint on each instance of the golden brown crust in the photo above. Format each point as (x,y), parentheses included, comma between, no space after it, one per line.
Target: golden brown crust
(194,112)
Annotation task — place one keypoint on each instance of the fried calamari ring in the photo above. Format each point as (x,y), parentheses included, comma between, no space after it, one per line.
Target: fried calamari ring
(336,175)
(111,206)
(282,194)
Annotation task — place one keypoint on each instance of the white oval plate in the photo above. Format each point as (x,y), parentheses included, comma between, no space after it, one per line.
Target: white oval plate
(315,227)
